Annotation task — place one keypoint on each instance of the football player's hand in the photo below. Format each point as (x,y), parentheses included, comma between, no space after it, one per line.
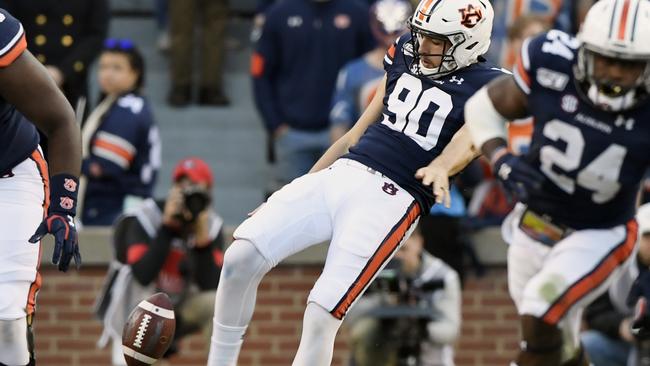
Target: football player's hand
(437,177)
(66,244)
(60,221)
(517,176)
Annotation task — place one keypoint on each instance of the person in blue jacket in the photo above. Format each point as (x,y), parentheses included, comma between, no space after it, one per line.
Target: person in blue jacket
(121,143)
(301,47)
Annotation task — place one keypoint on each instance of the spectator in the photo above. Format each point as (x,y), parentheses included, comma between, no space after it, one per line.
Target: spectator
(565,15)
(212,17)
(66,37)
(303,45)
(608,339)
(121,144)
(373,336)
(174,246)
(358,79)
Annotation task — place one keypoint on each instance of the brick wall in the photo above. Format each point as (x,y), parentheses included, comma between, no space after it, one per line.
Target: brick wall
(66,331)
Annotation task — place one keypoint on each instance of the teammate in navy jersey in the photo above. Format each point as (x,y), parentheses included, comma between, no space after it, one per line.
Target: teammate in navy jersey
(573,231)
(28,97)
(363,194)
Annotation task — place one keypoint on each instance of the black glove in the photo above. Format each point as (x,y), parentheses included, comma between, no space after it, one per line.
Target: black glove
(60,221)
(517,176)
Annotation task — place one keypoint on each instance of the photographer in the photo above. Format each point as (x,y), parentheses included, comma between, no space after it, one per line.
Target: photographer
(173,246)
(411,316)
(609,339)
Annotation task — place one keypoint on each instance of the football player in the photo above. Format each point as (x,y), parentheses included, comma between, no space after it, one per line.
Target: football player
(574,230)
(29,194)
(363,194)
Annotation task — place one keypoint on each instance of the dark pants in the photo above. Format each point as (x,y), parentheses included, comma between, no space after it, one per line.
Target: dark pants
(211,17)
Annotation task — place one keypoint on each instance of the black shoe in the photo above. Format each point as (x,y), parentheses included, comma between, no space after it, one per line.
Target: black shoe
(215,97)
(180,96)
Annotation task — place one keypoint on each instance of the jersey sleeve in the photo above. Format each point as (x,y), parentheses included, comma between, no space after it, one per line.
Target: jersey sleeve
(522,69)
(12,39)
(545,61)
(390,53)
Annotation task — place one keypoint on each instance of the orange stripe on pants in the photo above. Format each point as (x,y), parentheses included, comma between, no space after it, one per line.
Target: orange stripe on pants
(41,164)
(386,249)
(595,278)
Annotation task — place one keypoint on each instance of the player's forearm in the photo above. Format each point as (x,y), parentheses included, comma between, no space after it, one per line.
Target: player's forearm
(458,153)
(64,149)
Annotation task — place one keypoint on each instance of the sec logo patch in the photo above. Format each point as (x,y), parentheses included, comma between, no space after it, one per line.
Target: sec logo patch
(569,103)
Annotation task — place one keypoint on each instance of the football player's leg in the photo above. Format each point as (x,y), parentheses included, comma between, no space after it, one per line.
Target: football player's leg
(293,219)
(243,269)
(369,228)
(576,271)
(14,348)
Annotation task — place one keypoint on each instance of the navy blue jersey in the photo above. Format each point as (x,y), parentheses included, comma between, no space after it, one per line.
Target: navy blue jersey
(419,118)
(594,160)
(18,137)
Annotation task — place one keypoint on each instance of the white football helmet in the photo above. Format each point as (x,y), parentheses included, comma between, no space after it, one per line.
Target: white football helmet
(467,25)
(618,29)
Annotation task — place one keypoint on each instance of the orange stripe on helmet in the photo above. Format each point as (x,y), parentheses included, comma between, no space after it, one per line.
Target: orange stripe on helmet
(424,9)
(622,25)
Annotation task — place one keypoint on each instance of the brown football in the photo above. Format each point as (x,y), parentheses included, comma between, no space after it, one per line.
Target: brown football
(149,330)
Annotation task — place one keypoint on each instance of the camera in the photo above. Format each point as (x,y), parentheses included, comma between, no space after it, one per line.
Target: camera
(195,200)
(404,310)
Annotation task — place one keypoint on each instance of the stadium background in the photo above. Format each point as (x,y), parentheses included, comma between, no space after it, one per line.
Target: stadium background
(232,140)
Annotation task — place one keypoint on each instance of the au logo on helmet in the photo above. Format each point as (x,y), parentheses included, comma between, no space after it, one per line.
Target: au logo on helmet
(470,16)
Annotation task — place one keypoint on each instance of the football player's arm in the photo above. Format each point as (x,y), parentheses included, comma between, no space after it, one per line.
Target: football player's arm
(487,112)
(26,85)
(458,153)
(342,145)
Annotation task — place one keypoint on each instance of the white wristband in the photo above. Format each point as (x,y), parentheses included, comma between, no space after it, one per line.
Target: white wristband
(483,120)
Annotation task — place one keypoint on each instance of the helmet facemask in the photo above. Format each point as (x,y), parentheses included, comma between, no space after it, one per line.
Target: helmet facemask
(607,94)
(447,64)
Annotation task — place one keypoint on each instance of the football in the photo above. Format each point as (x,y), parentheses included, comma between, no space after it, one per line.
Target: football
(149,330)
